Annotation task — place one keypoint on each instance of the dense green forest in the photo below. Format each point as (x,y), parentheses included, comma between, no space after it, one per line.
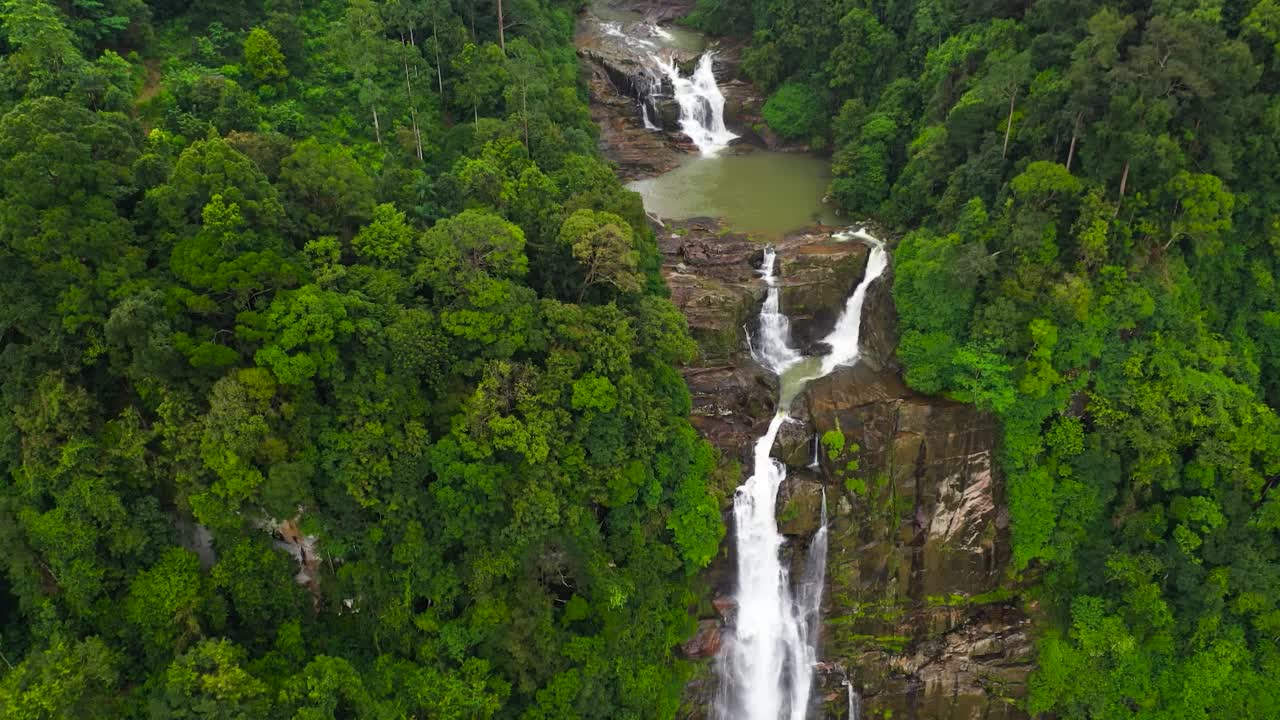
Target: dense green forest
(1091,198)
(345,281)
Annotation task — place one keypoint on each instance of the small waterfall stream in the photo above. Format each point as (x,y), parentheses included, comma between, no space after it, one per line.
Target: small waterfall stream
(766,670)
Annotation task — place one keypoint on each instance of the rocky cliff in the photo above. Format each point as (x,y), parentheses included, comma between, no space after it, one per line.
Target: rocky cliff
(918,614)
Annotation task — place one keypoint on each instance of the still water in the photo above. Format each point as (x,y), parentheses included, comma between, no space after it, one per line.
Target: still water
(765,193)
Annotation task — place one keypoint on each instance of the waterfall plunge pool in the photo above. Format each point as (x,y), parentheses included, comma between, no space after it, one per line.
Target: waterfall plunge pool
(764,193)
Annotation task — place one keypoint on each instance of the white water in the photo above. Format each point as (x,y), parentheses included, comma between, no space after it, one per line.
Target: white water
(855,702)
(644,114)
(774,349)
(844,337)
(766,669)
(701,104)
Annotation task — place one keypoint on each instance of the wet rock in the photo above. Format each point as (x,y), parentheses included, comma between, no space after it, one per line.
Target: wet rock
(639,152)
(724,606)
(729,402)
(818,274)
(705,644)
(850,387)
(800,504)
(794,444)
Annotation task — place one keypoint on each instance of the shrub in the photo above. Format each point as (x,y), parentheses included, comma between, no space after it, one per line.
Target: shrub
(796,111)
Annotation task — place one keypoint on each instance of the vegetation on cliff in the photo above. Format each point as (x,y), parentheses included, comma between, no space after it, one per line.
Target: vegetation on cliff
(1093,197)
(347,281)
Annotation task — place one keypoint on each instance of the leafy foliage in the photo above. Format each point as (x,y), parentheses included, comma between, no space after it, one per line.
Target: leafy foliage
(345,390)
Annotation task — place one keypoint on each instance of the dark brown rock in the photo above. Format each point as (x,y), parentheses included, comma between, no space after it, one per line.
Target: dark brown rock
(724,606)
(800,504)
(705,644)
(818,273)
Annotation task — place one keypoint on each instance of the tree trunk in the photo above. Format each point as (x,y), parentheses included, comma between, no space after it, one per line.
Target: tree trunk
(377,129)
(524,113)
(502,40)
(413,110)
(1075,134)
(1124,181)
(413,45)
(1008,128)
(436,41)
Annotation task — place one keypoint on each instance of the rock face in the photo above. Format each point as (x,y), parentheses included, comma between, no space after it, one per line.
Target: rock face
(918,613)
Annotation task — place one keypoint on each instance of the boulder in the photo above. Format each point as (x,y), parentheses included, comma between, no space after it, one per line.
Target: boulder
(794,444)
(800,504)
(705,644)
(818,273)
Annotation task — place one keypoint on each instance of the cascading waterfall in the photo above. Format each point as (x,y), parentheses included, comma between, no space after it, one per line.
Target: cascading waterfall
(766,669)
(701,103)
(774,349)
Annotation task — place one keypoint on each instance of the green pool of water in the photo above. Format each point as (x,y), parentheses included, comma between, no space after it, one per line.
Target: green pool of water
(766,193)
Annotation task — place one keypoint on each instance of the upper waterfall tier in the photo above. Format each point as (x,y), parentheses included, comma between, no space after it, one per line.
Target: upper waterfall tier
(701,103)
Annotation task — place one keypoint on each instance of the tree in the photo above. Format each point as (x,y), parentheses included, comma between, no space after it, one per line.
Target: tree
(63,679)
(387,240)
(45,61)
(209,682)
(482,76)
(360,36)
(263,58)
(325,191)
(163,602)
(601,244)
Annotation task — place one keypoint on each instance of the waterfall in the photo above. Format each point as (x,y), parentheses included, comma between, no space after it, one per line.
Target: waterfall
(766,669)
(644,115)
(855,701)
(701,104)
(843,338)
(774,351)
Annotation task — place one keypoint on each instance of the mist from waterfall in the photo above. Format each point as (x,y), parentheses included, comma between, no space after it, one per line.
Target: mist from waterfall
(766,668)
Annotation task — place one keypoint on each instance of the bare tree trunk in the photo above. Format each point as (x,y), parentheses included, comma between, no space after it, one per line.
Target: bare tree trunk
(413,109)
(1075,134)
(1124,181)
(413,45)
(377,129)
(436,41)
(502,39)
(1008,128)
